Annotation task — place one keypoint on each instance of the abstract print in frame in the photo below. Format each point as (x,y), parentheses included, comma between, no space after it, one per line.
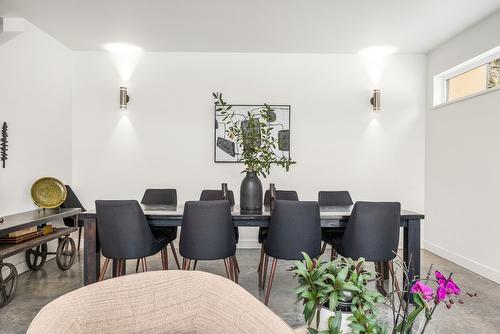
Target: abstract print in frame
(226,150)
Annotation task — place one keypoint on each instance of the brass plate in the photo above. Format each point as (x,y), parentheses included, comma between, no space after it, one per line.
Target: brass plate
(48,193)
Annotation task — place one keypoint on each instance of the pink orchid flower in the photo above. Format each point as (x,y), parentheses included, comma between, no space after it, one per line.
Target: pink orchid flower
(441,293)
(448,285)
(424,290)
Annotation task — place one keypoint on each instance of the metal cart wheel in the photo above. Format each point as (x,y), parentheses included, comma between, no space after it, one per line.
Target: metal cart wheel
(8,284)
(65,254)
(35,257)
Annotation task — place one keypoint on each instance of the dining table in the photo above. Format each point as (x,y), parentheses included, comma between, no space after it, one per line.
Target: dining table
(170,216)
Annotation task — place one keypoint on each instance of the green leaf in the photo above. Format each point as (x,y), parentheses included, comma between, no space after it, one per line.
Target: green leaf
(308,260)
(357,327)
(342,275)
(333,301)
(409,320)
(309,310)
(417,299)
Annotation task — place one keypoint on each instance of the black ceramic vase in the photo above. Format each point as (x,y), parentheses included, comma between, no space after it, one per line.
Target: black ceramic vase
(251,194)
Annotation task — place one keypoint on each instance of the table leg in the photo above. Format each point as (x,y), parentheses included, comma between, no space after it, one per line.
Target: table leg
(92,253)
(411,253)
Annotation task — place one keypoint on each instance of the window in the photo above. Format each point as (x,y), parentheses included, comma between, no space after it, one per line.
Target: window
(474,81)
(468,83)
(475,76)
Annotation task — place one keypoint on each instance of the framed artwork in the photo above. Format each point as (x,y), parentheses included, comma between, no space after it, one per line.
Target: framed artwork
(226,150)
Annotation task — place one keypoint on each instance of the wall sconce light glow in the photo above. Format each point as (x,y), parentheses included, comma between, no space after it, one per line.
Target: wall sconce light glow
(125,56)
(375,60)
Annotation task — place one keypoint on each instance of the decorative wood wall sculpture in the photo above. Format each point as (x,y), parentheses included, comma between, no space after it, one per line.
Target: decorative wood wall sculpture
(3,144)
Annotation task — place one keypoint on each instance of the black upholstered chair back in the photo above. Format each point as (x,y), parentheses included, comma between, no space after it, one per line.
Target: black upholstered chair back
(71,201)
(207,231)
(295,227)
(334,198)
(124,232)
(160,197)
(216,195)
(372,231)
(285,195)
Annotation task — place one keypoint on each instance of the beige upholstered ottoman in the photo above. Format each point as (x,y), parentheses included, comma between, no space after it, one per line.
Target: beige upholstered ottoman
(159,302)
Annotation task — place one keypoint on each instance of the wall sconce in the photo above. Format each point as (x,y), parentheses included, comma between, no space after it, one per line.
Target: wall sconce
(375,100)
(124,98)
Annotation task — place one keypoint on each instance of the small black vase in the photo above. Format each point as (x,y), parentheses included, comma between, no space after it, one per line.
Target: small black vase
(251,194)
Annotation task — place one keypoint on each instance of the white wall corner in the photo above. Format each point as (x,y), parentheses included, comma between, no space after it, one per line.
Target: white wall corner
(9,28)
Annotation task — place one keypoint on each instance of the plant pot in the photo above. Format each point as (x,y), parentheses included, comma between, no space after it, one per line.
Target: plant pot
(251,194)
(325,314)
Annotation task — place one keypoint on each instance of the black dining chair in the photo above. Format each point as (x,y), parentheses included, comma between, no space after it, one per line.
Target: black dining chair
(295,227)
(285,195)
(330,234)
(207,234)
(72,201)
(124,234)
(217,195)
(166,197)
(373,233)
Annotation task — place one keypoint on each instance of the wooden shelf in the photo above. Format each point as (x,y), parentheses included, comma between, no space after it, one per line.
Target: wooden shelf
(7,250)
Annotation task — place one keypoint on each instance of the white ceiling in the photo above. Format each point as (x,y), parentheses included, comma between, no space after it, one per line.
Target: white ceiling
(296,26)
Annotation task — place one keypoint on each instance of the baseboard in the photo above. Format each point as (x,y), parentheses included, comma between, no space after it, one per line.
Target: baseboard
(474,266)
(248,244)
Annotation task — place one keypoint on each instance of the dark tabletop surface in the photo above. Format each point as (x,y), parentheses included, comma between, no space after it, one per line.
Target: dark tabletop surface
(326,212)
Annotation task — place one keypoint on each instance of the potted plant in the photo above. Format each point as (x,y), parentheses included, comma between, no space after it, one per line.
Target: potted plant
(335,296)
(427,294)
(254,134)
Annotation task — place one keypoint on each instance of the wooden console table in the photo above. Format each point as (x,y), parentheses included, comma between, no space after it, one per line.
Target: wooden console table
(65,251)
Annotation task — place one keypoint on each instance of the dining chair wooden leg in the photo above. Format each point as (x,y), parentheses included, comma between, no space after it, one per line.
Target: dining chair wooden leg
(236,270)
(231,268)
(137,266)
(175,255)
(270,283)
(236,264)
(333,254)
(227,269)
(395,280)
(119,268)
(380,278)
(323,248)
(118,272)
(188,264)
(104,269)
(142,264)
(164,258)
(264,271)
(194,265)
(79,239)
(145,265)
(385,268)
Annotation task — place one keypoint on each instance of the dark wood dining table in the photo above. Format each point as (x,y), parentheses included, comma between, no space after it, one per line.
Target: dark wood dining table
(331,216)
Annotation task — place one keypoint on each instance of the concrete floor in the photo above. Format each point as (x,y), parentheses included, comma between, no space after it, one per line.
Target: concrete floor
(478,315)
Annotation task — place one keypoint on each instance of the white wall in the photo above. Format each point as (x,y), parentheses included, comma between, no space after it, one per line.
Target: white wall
(35,101)
(463,163)
(165,139)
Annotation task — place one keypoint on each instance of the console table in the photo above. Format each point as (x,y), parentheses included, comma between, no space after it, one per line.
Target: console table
(66,249)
